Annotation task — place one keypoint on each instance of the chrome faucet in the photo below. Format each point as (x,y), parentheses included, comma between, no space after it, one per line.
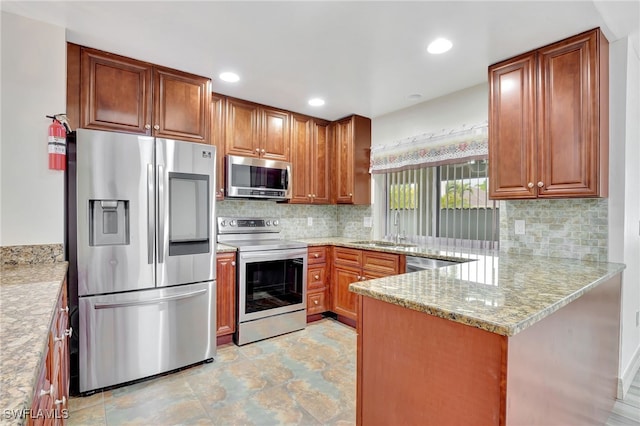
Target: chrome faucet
(396,223)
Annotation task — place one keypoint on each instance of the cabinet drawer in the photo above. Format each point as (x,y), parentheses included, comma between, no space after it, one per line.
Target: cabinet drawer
(347,256)
(316,303)
(316,277)
(317,255)
(380,262)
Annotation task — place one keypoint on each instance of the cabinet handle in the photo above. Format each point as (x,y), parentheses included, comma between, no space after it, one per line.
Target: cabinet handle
(68,332)
(65,309)
(47,392)
(316,255)
(317,277)
(313,195)
(263,151)
(309,195)
(315,301)
(350,194)
(156,127)
(147,126)
(233,263)
(540,184)
(359,278)
(62,401)
(258,150)
(530,185)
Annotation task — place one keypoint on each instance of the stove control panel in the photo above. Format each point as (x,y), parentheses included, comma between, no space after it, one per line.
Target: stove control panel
(229,225)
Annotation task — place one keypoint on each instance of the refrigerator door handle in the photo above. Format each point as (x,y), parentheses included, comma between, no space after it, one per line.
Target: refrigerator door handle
(154,301)
(150,214)
(161,213)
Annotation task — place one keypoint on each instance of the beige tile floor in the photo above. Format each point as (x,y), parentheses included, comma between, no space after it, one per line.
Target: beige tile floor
(306,378)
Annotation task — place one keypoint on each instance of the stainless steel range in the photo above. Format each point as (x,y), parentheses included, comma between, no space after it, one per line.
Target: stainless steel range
(271,278)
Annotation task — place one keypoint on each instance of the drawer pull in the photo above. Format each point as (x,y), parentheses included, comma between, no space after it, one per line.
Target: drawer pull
(316,255)
(315,301)
(47,392)
(233,263)
(65,309)
(317,277)
(62,401)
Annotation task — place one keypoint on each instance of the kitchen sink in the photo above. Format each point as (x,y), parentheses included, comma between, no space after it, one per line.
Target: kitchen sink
(384,244)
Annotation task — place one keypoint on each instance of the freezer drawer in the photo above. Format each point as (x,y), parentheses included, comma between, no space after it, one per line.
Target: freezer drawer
(129,336)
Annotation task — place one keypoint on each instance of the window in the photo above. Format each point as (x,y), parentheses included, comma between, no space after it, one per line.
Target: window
(448,202)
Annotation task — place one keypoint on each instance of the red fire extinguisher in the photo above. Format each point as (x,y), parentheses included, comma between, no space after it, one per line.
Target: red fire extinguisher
(57,144)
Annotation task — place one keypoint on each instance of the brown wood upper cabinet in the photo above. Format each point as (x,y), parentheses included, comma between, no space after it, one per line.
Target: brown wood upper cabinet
(353,146)
(253,130)
(121,94)
(548,121)
(216,138)
(310,153)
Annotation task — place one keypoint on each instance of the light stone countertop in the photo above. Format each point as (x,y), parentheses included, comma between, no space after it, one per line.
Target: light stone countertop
(28,297)
(500,293)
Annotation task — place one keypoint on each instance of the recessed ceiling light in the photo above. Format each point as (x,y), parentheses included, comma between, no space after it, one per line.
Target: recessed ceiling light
(229,77)
(415,96)
(439,45)
(316,102)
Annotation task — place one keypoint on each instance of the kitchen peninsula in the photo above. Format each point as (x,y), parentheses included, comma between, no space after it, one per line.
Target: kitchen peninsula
(501,340)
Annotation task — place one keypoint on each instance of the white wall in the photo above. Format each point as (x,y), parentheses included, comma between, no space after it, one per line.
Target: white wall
(466,107)
(624,200)
(33,82)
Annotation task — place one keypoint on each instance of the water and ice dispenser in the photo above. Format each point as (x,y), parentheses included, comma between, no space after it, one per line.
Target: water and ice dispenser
(108,222)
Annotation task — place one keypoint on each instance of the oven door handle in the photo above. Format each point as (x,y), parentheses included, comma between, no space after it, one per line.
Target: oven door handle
(274,255)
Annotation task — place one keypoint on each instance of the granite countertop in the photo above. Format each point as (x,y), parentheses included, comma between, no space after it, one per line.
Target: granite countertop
(500,293)
(503,294)
(28,297)
(223,248)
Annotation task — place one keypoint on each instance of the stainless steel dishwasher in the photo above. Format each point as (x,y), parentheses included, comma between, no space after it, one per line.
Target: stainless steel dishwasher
(415,263)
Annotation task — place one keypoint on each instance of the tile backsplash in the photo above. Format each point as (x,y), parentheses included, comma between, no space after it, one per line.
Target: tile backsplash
(571,228)
(327,220)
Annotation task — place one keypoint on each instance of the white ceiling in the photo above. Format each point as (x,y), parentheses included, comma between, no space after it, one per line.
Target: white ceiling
(362,57)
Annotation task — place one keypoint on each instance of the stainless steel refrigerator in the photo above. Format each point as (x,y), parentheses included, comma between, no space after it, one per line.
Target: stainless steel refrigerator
(145,242)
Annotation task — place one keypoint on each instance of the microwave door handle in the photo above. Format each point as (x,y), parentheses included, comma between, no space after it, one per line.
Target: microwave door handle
(150,214)
(161,213)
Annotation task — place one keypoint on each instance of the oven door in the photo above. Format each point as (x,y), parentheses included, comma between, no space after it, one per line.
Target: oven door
(271,282)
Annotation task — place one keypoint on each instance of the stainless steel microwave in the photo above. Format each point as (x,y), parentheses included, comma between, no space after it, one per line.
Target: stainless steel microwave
(248,177)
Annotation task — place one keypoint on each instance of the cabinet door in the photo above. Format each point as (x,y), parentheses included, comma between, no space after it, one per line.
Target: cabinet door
(241,132)
(344,301)
(319,159)
(569,117)
(115,93)
(274,140)
(344,161)
(181,105)
(512,124)
(226,294)
(216,136)
(301,133)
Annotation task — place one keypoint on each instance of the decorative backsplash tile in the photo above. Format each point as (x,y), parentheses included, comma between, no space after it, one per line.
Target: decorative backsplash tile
(327,220)
(571,228)
(28,255)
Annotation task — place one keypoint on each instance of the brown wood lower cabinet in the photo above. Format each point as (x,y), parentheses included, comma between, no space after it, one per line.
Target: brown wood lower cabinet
(225,294)
(351,265)
(418,369)
(317,276)
(51,395)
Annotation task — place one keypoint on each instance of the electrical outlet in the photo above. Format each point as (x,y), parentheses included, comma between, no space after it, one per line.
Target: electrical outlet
(367,223)
(519,227)
(309,221)
(637,318)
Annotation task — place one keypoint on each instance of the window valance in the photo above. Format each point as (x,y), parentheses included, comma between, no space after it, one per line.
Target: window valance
(432,149)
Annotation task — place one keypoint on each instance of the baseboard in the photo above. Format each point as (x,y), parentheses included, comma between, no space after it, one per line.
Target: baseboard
(624,382)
